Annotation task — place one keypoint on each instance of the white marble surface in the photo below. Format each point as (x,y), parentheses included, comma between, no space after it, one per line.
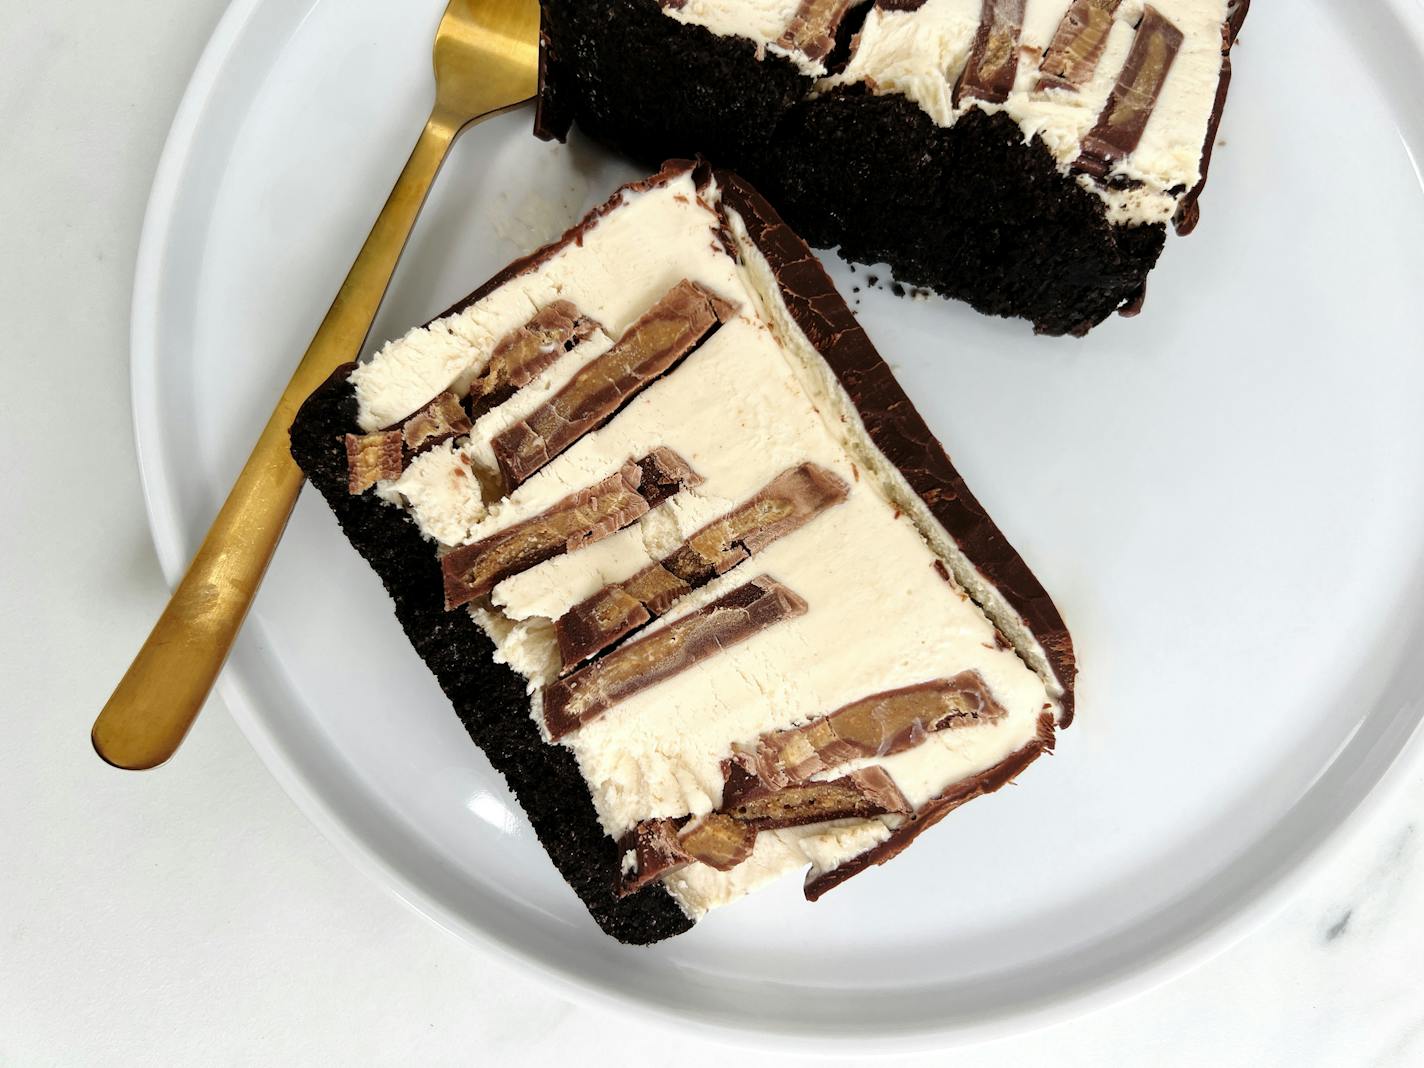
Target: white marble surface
(192,915)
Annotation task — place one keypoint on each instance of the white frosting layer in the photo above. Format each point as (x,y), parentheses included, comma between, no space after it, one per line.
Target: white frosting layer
(922,53)
(751,402)
(763,21)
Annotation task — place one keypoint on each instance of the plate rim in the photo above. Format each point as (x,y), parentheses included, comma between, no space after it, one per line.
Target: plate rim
(1251,910)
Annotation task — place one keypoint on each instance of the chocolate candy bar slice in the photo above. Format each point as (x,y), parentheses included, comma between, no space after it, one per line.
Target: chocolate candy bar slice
(787,503)
(527,352)
(1073,56)
(1124,118)
(812,30)
(876,726)
(664,335)
(869,791)
(732,618)
(371,458)
(994,60)
(440,420)
(580,519)
(726,838)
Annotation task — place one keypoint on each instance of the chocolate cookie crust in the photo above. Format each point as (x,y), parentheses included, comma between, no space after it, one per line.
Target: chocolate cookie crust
(489,698)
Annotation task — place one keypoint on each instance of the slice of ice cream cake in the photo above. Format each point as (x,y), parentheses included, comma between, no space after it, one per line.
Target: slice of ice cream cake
(691,568)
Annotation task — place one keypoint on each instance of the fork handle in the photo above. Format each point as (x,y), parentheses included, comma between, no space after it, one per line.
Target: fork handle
(164,688)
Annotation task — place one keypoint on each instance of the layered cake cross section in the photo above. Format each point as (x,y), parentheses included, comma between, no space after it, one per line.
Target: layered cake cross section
(693,570)
(1025,156)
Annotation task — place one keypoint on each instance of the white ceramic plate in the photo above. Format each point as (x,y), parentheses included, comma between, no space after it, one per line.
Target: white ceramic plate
(1225,496)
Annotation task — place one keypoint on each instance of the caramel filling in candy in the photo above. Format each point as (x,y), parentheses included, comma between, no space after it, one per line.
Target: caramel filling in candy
(1078,45)
(372,458)
(440,420)
(861,794)
(876,726)
(994,61)
(527,351)
(718,841)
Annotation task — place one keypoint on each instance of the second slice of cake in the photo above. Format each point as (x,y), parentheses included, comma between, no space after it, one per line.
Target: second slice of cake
(1024,156)
(688,562)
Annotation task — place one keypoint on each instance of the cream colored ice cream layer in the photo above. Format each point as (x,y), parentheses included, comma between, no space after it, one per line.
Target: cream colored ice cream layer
(762,21)
(752,401)
(921,54)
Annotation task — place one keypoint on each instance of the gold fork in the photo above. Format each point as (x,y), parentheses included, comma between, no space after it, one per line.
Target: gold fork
(486,62)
